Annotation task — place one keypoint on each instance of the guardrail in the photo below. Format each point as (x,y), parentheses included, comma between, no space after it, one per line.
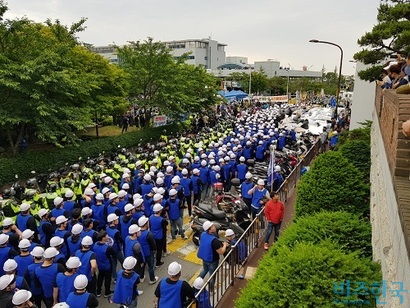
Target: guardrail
(230,267)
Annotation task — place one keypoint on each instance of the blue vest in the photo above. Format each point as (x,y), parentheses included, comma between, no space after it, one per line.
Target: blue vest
(85,267)
(57,212)
(156,226)
(111,233)
(144,243)
(43,236)
(242,169)
(186,183)
(47,277)
(69,205)
(170,294)
(89,233)
(99,213)
(124,227)
(246,186)
(146,188)
(225,172)
(23,262)
(205,251)
(147,205)
(78,301)
(173,208)
(195,185)
(129,244)
(137,215)
(257,196)
(203,300)
(61,234)
(125,292)
(281,142)
(212,177)
(4,255)
(204,174)
(65,286)
(100,251)
(121,204)
(247,153)
(73,246)
(21,221)
(111,209)
(31,269)
(260,152)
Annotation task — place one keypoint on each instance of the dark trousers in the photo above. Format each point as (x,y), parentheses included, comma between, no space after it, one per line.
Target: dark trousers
(160,246)
(104,276)
(36,299)
(188,200)
(48,301)
(271,227)
(92,285)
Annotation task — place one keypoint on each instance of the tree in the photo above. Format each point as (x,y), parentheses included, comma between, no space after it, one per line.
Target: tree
(390,36)
(157,80)
(47,84)
(332,184)
(304,276)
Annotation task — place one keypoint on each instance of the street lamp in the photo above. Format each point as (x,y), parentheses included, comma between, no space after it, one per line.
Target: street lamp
(340,68)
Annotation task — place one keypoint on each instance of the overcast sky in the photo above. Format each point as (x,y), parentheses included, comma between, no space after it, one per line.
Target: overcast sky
(258,29)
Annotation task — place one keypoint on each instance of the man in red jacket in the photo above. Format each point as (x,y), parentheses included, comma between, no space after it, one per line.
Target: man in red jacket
(274,211)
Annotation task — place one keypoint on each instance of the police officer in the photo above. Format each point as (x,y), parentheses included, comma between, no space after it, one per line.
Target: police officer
(80,298)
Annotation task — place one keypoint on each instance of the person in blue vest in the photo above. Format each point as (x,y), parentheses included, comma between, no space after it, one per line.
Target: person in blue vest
(69,203)
(87,213)
(334,139)
(204,175)
(6,252)
(26,221)
(126,289)
(62,231)
(172,291)
(104,253)
(172,207)
(80,298)
(24,259)
(138,213)
(112,206)
(146,185)
(260,195)
(58,209)
(248,152)
(226,174)
(37,254)
(46,274)
(74,240)
(22,299)
(121,200)
(89,229)
(242,252)
(58,243)
(197,185)
(127,220)
(188,188)
(12,231)
(46,230)
(29,235)
(133,247)
(10,268)
(281,142)
(138,179)
(115,240)
(65,281)
(203,300)
(88,197)
(149,248)
(157,224)
(7,288)
(245,188)
(241,170)
(88,263)
(209,250)
(260,152)
(99,211)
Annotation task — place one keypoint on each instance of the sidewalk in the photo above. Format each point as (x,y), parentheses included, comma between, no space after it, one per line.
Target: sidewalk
(250,268)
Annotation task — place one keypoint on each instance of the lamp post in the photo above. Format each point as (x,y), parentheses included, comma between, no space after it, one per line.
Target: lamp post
(340,68)
(287,85)
(250,81)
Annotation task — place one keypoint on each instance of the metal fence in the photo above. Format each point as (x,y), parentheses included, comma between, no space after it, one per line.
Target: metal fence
(231,266)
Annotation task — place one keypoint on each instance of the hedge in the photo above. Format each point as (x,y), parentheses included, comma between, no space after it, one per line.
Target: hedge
(55,159)
(304,277)
(332,184)
(346,230)
(358,153)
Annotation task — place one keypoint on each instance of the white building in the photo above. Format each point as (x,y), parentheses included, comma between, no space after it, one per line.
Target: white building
(236,60)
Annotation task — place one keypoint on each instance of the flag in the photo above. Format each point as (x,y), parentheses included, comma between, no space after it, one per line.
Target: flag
(271,164)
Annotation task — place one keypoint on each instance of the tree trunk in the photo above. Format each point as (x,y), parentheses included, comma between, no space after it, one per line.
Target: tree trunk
(15,145)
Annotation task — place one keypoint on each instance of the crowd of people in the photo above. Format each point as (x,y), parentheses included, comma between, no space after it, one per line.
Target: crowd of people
(70,250)
(396,74)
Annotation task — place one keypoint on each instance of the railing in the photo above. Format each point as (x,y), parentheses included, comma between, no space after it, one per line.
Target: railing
(230,267)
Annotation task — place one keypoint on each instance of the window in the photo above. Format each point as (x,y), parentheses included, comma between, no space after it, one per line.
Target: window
(191,57)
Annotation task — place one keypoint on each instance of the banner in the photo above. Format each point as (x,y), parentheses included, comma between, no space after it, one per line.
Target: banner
(271,164)
(160,120)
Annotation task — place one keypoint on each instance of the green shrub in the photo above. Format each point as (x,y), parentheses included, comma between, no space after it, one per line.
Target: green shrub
(107,121)
(304,277)
(54,159)
(358,153)
(362,133)
(332,184)
(346,230)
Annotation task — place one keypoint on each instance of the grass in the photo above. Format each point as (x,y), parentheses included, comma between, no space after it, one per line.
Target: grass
(105,131)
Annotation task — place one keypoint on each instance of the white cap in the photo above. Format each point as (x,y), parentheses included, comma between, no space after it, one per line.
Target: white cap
(169,169)
(80,282)
(147,177)
(89,192)
(159,181)
(166,163)
(37,251)
(160,174)
(24,243)
(24,207)
(105,190)
(125,175)
(142,221)
(161,191)
(241,158)
(173,192)
(125,186)
(278,168)
(128,207)
(129,263)
(261,182)
(56,241)
(73,262)
(50,252)
(107,179)
(184,171)
(27,233)
(138,202)
(198,283)
(133,229)
(61,305)
(7,222)
(207,224)
(60,219)
(86,211)
(217,168)
(99,196)
(87,241)
(58,201)
(112,217)
(248,175)
(171,158)
(42,212)
(175,180)
(174,268)
(5,281)
(10,265)
(203,163)
(196,171)
(122,193)
(157,197)
(229,232)
(136,196)
(91,185)
(21,296)
(113,196)
(157,207)
(77,229)
(68,193)
(3,238)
